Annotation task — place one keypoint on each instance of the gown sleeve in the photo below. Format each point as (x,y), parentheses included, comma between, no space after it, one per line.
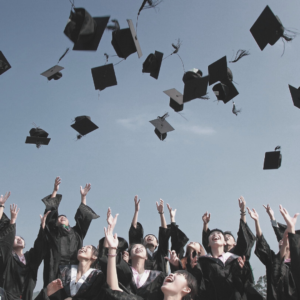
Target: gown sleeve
(136,235)
(263,252)
(83,218)
(205,235)
(294,241)
(108,294)
(7,237)
(178,240)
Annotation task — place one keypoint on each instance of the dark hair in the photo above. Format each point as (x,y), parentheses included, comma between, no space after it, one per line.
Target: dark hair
(191,283)
(96,253)
(186,253)
(131,246)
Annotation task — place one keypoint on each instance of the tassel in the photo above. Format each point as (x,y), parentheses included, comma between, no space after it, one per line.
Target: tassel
(113,27)
(241,53)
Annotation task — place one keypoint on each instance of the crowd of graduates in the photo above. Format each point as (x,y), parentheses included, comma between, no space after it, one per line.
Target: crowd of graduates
(145,267)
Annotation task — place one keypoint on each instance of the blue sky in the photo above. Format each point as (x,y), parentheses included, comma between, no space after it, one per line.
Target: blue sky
(204,165)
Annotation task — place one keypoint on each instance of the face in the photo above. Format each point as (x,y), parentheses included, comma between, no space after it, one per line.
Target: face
(138,250)
(175,284)
(194,246)
(281,243)
(216,238)
(150,240)
(19,242)
(86,253)
(63,220)
(229,240)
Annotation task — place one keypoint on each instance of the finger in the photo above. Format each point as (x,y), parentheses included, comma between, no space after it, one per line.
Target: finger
(175,210)
(41,218)
(139,201)
(265,207)
(167,258)
(156,205)
(105,231)
(170,252)
(296,215)
(115,236)
(80,188)
(47,213)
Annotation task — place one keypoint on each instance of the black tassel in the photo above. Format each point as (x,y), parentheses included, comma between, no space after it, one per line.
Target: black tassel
(241,53)
(79,136)
(277,148)
(107,57)
(206,97)
(114,27)
(149,4)
(63,55)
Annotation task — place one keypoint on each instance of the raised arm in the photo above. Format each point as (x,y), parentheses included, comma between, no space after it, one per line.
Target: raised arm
(136,211)
(242,205)
(172,213)
(254,215)
(206,231)
(57,182)
(2,203)
(160,209)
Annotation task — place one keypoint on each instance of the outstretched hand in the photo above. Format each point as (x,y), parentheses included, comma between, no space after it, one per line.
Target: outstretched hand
(13,213)
(54,286)
(43,219)
(290,221)
(137,203)
(206,218)
(4,198)
(112,241)
(160,206)
(57,182)
(242,204)
(112,221)
(269,211)
(173,260)
(253,214)
(85,190)
(172,212)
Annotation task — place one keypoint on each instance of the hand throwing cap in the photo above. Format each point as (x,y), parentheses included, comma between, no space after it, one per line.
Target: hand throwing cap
(4,64)
(125,41)
(38,137)
(267,29)
(176,99)
(295,93)
(272,159)
(84,31)
(84,125)
(195,86)
(104,77)
(152,64)
(53,73)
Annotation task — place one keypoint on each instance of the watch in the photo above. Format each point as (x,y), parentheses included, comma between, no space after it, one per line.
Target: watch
(2,205)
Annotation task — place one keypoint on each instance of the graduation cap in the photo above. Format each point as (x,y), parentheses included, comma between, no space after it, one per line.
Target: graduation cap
(152,64)
(4,64)
(53,73)
(83,125)
(38,137)
(84,31)
(272,159)
(295,93)
(161,126)
(195,86)
(176,99)
(125,41)
(225,92)
(268,29)
(104,77)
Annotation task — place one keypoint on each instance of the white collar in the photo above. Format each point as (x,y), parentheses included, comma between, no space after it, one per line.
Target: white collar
(74,287)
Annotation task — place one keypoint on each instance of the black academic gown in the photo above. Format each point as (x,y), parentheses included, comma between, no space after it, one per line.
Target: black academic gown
(178,240)
(217,281)
(281,283)
(157,260)
(63,244)
(19,280)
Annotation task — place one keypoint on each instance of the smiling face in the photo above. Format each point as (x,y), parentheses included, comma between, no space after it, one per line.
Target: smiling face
(86,253)
(150,240)
(138,251)
(216,238)
(63,220)
(230,240)
(19,242)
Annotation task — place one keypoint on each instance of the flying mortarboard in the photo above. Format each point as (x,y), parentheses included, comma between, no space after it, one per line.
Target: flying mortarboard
(295,93)
(219,71)
(272,159)
(84,31)
(268,29)
(4,64)
(38,137)
(104,77)
(176,99)
(125,41)
(161,126)
(195,86)
(152,64)
(53,73)
(84,125)
(225,92)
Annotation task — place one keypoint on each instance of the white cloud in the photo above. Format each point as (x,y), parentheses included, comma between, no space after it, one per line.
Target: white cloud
(198,130)
(132,123)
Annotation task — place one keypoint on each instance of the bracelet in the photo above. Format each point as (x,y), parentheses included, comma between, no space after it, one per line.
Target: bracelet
(112,248)
(161,213)
(243,213)
(111,254)
(2,205)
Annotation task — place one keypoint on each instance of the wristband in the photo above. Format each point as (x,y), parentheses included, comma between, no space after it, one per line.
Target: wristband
(2,205)
(161,213)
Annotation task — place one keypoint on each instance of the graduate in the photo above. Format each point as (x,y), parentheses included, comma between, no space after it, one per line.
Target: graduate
(64,241)
(156,249)
(19,269)
(178,286)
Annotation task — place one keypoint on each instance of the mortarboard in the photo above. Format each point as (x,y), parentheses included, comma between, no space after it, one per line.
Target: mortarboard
(152,64)
(125,41)
(295,93)
(225,92)
(219,71)
(267,29)
(84,31)
(104,77)
(161,126)
(176,99)
(272,159)
(84,125)
(38,137)
(53,73)
(195,86)
(4,64)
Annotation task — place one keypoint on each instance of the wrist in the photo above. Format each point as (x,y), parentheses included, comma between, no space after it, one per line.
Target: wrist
(161,213)
(112,250)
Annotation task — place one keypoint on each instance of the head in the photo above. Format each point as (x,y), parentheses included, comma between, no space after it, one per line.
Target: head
(195,246)
(62,220)
(287,255)
(19,242)
(150,240)
(180,283)
(137,251)
(230,240)
(89,253)
(216,238)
